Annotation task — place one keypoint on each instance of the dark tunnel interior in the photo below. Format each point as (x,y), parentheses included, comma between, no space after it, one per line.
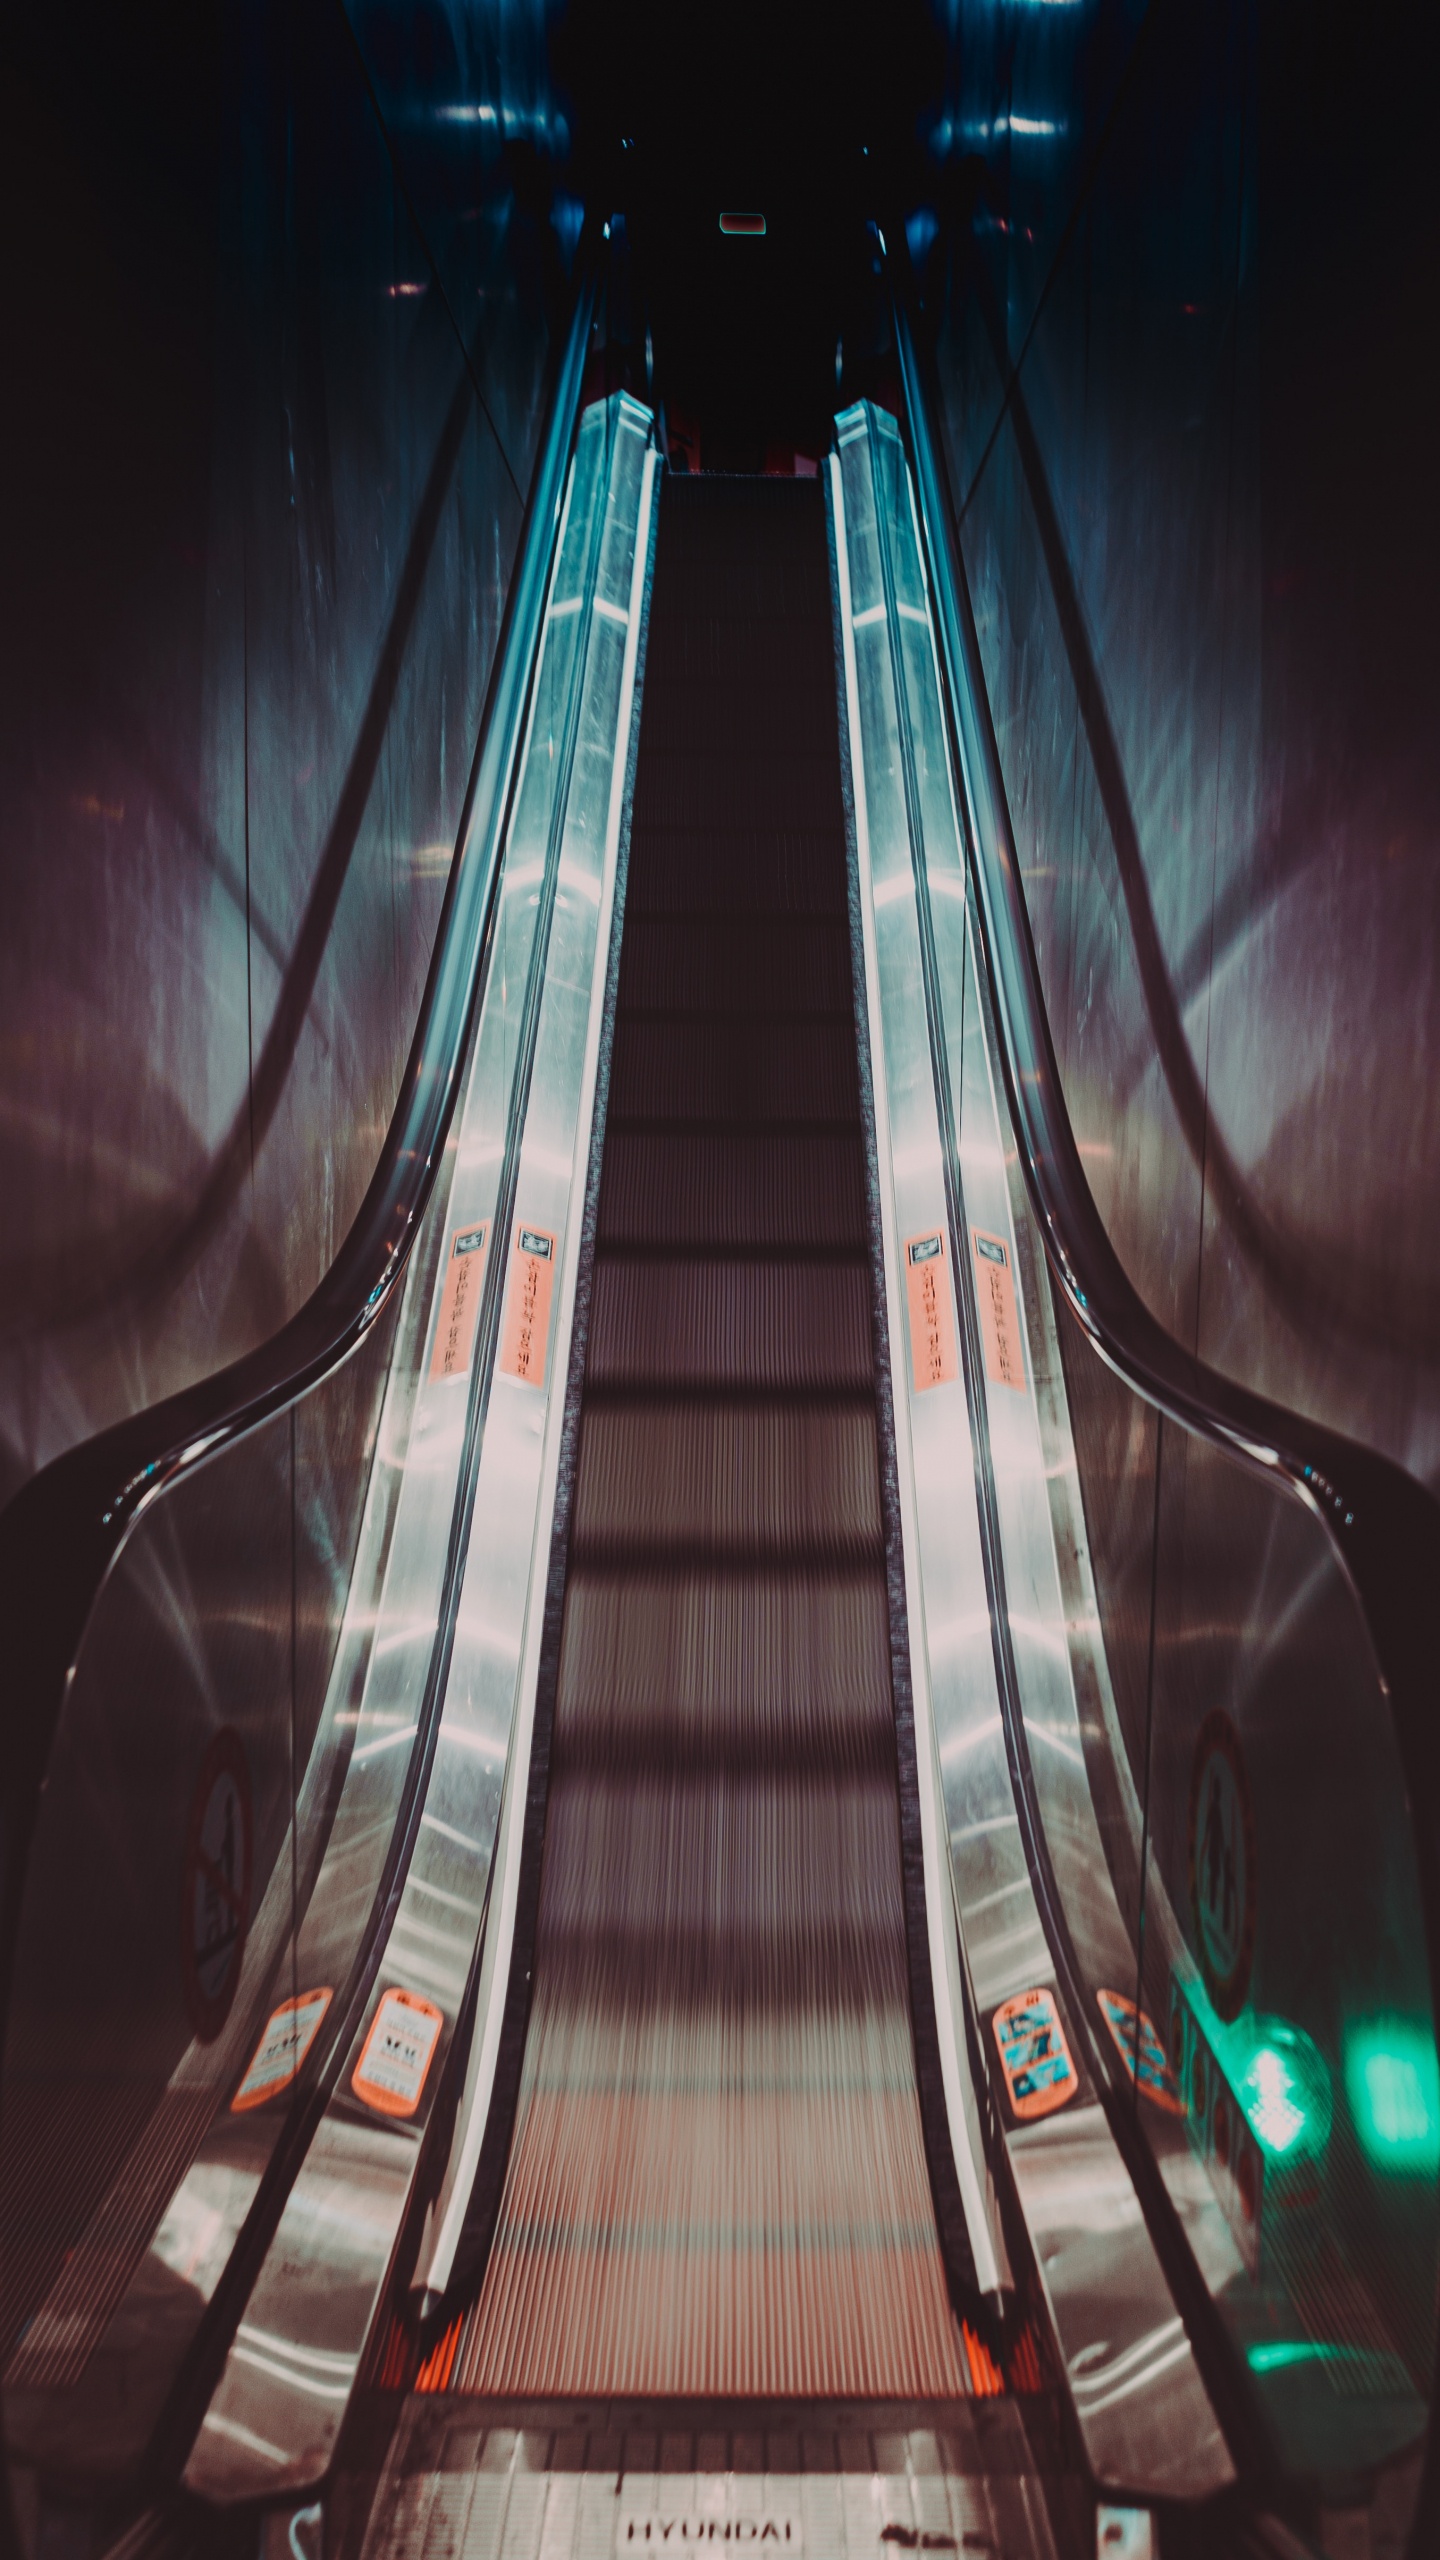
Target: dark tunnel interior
(720,1281)
(1193,264)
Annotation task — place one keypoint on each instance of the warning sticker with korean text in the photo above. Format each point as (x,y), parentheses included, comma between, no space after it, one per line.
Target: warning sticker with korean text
(1034,2056)
(527,1317)
(999,1314)
(390,2073)
(459,1304)
(932,1315)
(289,2034)
(1145,2058)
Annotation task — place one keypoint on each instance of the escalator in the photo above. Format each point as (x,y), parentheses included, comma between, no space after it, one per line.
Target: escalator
(716,2206)
(717,2218)
(720,2012)
(697,2018)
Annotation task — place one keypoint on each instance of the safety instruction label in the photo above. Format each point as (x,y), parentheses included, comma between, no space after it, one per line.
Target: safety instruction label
(398,2051)
(289,2034)
(1144,2056)
(999,1314)
(1034,2056)
(527,1317)
(932,1314)
(459,1303)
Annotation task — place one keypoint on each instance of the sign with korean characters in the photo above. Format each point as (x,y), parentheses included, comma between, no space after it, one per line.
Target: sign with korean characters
(999,1312)
(931,1310)
(1146,2061)
(527,1316)
(1035,2058)
(391,2072)
(289,2033)
(459,1303)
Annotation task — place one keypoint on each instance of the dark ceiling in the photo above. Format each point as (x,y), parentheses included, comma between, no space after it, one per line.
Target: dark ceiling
(806,116)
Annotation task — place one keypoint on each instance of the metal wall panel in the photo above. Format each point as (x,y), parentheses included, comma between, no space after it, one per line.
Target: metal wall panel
(273,440)
(1202,542)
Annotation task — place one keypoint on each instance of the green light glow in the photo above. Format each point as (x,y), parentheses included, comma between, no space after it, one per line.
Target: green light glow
(1270,2096)
(1282,2355)
(1279,2356)
(1393,2080)
(1284,2088)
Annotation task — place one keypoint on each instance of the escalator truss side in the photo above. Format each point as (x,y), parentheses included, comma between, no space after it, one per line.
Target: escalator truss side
(1142,2408)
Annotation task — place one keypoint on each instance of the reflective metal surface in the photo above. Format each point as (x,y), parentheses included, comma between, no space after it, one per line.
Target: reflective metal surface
(315,2295)
(1203,568)
(253,598)
(1233,1652)
(603,2485)
(1151,2427)
(1178,1743)
(210,1643)
(1245,1606)
(109,2322)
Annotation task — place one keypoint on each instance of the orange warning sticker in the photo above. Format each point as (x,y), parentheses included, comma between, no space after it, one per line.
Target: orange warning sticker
(289,2034)
(932,1317)
(999,1314)
(459,1304)
(1144,2056)
(390,2073)
(527,1318)
(1034,2056)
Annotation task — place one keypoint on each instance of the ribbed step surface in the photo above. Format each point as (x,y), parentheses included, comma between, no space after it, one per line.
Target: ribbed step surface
(717,2186)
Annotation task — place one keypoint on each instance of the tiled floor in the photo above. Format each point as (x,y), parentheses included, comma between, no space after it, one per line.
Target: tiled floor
(457,2489)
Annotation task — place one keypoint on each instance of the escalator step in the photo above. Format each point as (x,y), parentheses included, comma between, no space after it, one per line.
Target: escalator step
(734,1324)
(699,794)
(709,964)
(713,1667)
(717,2183)
(725,1193)
(715,868)
(733,1479)
(721,1070)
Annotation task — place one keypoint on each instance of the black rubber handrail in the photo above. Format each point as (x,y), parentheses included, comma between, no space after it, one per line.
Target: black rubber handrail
(62,1534)
(1383,1526)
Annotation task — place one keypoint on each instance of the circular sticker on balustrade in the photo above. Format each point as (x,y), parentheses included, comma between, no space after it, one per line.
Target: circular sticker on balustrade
(215,1884)
(1222,1863)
